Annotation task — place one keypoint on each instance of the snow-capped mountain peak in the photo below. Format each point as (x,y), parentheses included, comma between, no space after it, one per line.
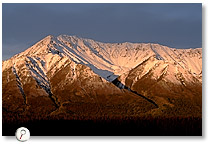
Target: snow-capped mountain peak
(109,60)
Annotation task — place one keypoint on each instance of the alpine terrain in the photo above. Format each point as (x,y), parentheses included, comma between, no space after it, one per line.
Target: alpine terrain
(85,84)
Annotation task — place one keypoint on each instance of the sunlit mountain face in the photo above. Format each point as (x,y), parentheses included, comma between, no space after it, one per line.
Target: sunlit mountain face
(123,88)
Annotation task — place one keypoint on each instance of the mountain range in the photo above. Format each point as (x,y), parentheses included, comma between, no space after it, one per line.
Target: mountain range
(69,77)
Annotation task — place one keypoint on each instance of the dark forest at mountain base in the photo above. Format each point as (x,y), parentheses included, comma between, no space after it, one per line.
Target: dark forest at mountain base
(133,126)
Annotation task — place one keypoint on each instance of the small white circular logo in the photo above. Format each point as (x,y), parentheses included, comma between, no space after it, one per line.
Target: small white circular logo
(22,134)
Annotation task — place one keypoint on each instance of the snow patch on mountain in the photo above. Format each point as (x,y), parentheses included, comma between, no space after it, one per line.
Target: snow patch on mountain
(38,74)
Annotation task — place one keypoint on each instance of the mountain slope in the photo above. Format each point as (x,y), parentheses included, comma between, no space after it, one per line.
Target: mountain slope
(174,89)
(68,70)
(49,82)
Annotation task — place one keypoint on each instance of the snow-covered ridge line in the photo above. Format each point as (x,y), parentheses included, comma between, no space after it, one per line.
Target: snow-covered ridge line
(38,74)
(109,60)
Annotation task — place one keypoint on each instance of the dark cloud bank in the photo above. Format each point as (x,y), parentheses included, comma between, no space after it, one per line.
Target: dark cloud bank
(174,25)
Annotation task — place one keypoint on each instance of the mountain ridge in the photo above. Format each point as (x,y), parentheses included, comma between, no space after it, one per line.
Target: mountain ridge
(103,58)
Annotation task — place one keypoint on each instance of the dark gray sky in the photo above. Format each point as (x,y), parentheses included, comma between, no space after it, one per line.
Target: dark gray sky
(174,25)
